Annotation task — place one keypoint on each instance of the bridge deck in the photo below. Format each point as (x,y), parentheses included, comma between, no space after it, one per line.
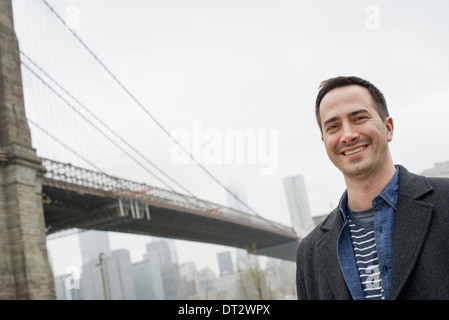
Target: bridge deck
(78,198)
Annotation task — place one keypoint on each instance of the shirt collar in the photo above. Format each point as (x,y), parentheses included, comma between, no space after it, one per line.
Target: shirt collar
(343,204)
(389,194)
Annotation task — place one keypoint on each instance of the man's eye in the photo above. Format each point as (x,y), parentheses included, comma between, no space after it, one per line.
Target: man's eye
(331,127)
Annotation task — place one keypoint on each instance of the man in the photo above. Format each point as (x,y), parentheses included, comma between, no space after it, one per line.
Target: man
(389,236)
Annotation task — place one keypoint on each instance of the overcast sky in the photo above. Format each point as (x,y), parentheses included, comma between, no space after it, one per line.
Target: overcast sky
(207,67)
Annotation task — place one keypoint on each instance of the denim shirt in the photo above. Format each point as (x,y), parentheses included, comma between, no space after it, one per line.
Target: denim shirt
(384,206)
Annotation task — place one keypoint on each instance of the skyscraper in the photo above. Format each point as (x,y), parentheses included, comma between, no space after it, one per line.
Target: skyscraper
(225,263)
(171,277)
(166,250)
(111,280)
(92,243)
(298,204)
(118,275)
(148,278)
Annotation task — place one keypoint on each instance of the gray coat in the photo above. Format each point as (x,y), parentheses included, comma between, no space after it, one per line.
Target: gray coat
(420,254)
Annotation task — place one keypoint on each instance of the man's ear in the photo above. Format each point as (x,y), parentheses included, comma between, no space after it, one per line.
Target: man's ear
(389,126)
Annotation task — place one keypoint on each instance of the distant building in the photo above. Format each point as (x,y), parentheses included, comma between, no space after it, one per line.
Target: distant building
(440,169)
(170,273)
(190,281)
(166,250)
(67,287)
(230,287)
(147,277)
(118,273)
(298,204)
(92,243)
(171,279)
(91,284)
(225,264)
(117,280)
(207,285)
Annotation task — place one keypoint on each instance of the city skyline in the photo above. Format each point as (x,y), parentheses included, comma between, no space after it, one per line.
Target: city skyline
(158,275)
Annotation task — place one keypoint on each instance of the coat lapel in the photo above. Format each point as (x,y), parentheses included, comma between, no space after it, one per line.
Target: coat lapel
(411,226)
(327,248)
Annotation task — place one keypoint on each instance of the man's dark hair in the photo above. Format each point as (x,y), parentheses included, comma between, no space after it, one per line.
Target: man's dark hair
(338,82)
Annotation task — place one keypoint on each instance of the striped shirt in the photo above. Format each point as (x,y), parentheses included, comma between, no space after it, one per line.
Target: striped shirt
(365,253)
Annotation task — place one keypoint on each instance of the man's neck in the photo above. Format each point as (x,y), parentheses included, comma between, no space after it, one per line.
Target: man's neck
(362,190)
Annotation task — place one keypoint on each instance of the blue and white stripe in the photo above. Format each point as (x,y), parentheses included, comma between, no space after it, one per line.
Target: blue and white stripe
(365,253)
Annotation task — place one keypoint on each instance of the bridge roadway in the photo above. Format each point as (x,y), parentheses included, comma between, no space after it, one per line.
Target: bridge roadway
(74,197)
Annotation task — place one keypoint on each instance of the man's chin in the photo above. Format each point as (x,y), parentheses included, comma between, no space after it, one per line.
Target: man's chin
(355,170)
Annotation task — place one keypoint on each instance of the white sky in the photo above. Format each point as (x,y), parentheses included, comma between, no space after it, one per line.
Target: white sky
(256,65)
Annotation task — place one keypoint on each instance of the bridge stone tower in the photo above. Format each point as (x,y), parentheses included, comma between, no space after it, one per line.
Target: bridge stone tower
(25,272)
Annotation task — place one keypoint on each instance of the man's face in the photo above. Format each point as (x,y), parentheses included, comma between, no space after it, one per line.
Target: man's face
(355,137)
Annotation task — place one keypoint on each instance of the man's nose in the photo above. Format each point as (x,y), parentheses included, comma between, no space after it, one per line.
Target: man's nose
(349,135)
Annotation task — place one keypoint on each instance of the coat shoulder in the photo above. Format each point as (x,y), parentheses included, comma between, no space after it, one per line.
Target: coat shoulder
(439,183)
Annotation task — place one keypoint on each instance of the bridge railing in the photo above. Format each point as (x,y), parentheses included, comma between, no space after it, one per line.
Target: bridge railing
(69,173)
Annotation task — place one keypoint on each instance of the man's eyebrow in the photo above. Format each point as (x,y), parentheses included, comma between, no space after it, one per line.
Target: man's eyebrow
(330,120)
(356,112)
(351,114)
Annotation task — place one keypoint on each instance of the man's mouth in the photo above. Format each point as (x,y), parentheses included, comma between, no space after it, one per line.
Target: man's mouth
(348,153)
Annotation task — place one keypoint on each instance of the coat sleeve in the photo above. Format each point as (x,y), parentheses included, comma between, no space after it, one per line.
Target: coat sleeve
(300,279)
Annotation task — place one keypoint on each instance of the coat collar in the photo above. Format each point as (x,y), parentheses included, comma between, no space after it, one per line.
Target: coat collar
(413,217)
(327,248)
(412,185)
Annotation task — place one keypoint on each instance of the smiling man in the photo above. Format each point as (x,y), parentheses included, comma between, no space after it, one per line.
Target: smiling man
(388,237)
